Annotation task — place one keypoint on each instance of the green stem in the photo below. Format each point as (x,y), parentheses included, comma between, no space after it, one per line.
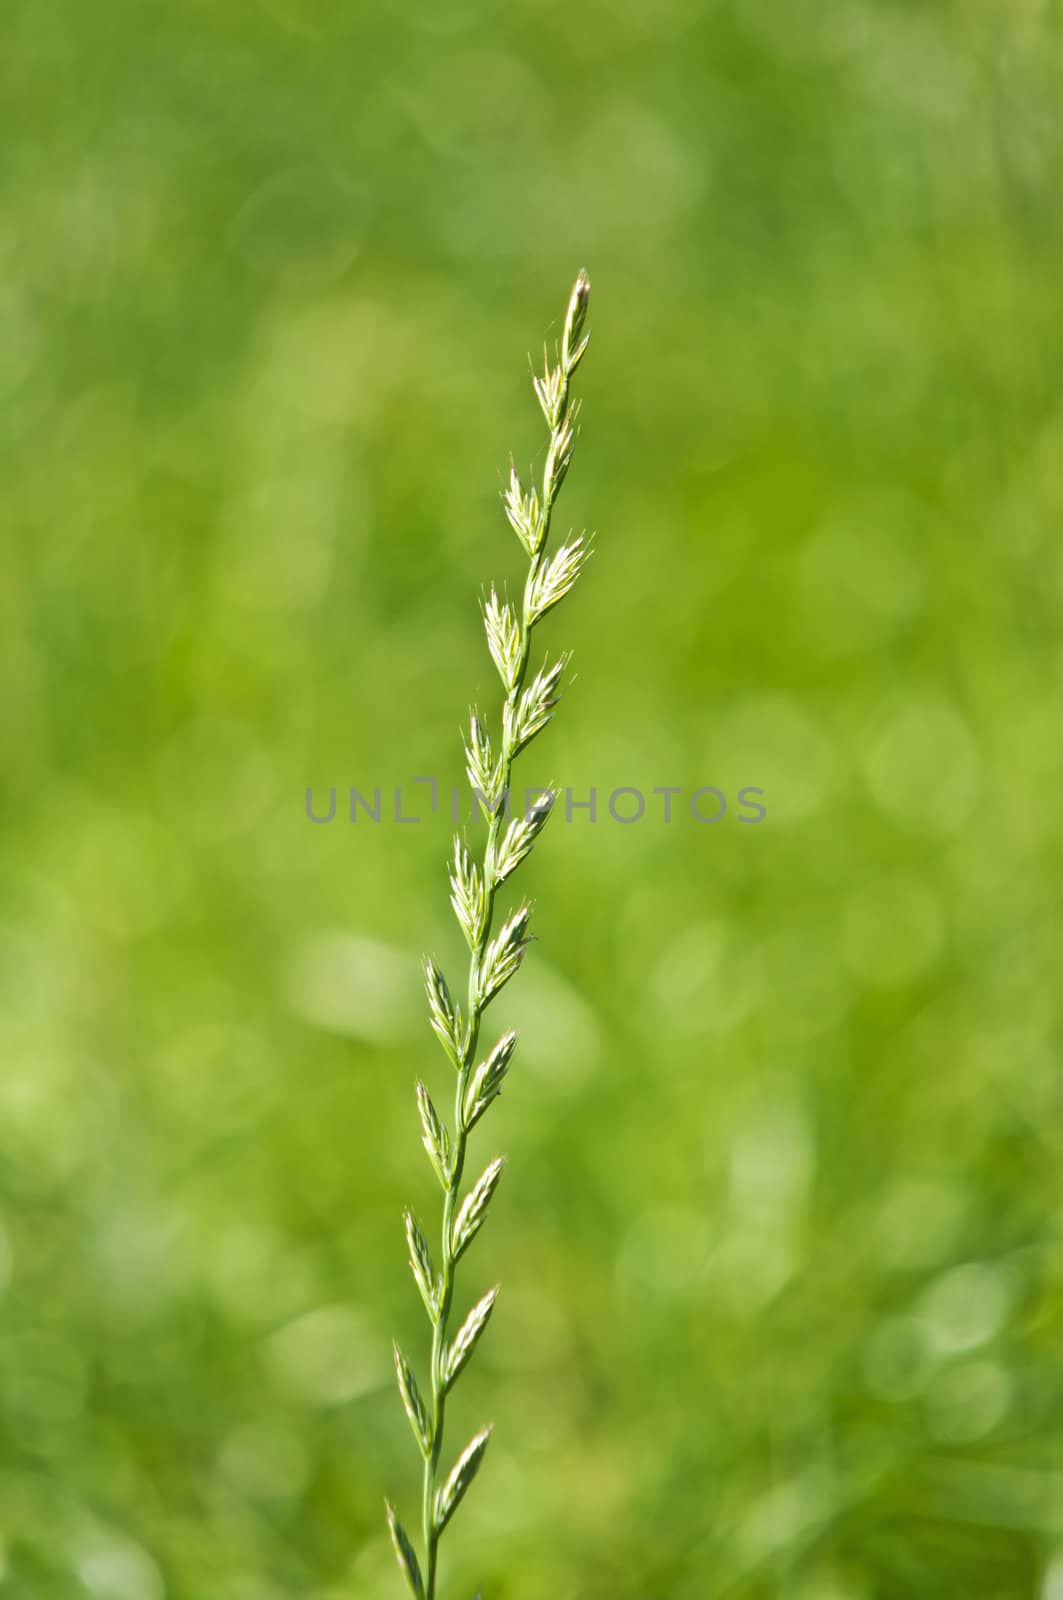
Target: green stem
(446,1289)
(439,1332)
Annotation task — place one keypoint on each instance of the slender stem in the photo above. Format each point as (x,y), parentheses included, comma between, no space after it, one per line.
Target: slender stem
(558,407)
(439,1345)
(439,1333)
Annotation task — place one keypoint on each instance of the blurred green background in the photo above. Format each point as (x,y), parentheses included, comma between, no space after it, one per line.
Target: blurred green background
(780,1237)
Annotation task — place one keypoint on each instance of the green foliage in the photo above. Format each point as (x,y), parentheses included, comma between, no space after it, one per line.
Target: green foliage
(779,1232)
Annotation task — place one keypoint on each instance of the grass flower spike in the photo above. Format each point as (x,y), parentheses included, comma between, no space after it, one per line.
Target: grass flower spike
(495,957)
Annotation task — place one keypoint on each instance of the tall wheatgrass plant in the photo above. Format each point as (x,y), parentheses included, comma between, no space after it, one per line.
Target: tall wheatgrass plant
(494,957)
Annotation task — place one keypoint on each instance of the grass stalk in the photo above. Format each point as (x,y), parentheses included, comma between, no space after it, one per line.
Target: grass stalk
(493,957)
